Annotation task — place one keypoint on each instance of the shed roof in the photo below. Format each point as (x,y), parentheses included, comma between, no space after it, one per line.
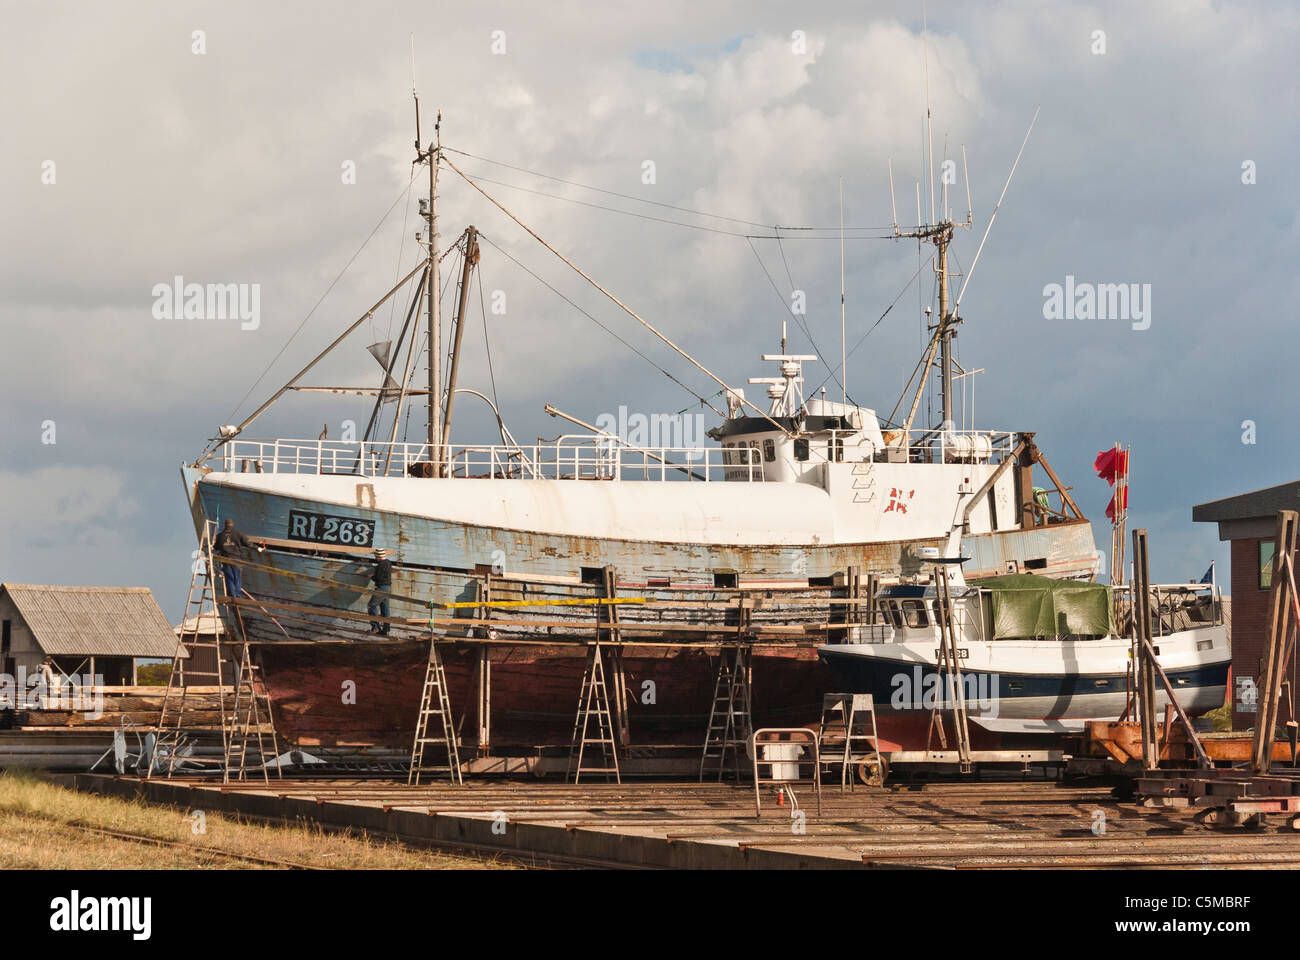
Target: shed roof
(1250,506)
(93,621)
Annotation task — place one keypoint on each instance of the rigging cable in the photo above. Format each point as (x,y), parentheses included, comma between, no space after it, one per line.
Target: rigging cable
(879,320)
(487,345)
(331,286)
(680,223)
(798,317)
(602,326)
(626,196)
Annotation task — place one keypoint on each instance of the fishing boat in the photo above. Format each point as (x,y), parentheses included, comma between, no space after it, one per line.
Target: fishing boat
(786,503)
(1035,659)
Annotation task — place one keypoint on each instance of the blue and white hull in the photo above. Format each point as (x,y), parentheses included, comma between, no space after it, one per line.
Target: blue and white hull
(1031,686)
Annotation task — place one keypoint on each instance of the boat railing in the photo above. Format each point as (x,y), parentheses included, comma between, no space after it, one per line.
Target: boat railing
(567,458)
(948,446)
(1175,607)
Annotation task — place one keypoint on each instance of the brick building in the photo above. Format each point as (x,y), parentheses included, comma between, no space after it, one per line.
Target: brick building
(1248,522)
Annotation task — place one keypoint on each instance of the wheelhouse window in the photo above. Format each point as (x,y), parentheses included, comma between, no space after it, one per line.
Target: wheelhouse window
(914,613)
(835,450)
(769,451)
(890,609)
(801,449)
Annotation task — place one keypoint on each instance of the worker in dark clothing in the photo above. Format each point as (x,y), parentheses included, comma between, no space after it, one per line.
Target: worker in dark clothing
(382,576)
(230,543)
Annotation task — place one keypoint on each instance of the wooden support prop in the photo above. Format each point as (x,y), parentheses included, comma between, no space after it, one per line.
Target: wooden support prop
(1148,669)
(609,613)
(1143,653)
(484,706)
(1270,691)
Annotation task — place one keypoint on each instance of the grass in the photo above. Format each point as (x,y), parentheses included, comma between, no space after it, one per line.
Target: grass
(48,827)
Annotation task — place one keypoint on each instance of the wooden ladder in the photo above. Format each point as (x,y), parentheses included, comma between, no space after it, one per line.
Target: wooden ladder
(252,728)
(730,717)
(169,735)
(434,703)
(844,725)
(593,705)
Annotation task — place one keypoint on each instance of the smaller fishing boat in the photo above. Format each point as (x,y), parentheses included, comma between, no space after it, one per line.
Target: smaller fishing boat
(1036,657)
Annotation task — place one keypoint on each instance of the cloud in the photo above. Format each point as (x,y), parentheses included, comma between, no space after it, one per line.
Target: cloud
(225,167)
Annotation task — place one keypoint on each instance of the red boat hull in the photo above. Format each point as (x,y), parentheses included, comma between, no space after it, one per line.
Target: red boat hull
(331,695)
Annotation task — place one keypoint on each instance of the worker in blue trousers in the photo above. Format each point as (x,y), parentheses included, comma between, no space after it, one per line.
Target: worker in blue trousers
(382,576)
(230,543)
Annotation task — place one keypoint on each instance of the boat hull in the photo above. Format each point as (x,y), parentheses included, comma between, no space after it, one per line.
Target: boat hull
(335,695)
(307,610)
(1026,688)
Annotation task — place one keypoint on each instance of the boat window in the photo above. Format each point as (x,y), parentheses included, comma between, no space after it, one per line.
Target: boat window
(769,450)
(890,608)
(801,449)
(915,614)
(835,450)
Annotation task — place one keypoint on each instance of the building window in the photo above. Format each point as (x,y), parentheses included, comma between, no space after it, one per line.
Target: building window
(1265,564)
(801,449)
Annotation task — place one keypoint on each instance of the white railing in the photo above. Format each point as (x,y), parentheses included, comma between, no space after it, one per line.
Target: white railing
(937,446)
(568,458)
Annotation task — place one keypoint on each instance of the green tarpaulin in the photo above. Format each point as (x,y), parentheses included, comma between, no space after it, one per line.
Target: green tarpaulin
(1025,605)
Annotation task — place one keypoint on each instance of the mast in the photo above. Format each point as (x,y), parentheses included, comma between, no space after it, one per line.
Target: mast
(940,234)
(946,324)
(433,155)
(471,258)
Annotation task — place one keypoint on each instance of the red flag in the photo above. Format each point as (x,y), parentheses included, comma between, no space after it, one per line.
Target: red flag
(1110,507)
(1111,464)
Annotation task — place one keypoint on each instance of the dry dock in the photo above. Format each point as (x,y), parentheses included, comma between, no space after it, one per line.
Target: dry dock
(935,826)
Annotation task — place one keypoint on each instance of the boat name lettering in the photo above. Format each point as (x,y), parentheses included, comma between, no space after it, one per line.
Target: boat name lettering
(322,528)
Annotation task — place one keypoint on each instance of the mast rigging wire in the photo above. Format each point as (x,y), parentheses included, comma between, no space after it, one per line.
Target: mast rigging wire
(602,326)
(310,312)
(624,307)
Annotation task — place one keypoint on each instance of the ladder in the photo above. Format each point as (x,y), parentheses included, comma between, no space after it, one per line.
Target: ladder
(593,705)
(252,729)
(848,721)
(730,725)
(435,704)
(169,734)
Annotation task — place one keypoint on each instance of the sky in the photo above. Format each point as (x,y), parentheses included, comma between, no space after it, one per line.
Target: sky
(271,145)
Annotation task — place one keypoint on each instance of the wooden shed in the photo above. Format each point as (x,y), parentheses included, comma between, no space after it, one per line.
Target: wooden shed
(75,631)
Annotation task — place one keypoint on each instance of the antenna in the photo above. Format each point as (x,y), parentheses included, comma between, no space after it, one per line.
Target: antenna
(996,207)
(844,357)
(970,213)
(929,126)
(415,95)
(892,206)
